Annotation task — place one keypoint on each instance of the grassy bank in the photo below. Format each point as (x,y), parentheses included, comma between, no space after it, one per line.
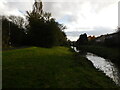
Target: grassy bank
(56,67)
(109,53)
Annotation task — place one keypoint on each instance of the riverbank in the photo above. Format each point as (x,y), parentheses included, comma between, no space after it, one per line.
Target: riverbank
(109,53)
(57,67)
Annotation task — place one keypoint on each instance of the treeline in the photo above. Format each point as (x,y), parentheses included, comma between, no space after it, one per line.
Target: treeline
(13,33)
(108,40)
(40,29)
(113,40)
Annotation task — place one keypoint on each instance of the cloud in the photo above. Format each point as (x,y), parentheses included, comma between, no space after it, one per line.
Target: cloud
(85,13)
(12,7)
(97,31)
(93,16)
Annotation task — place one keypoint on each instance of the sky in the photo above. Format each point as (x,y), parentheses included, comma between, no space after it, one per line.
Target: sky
(94,17)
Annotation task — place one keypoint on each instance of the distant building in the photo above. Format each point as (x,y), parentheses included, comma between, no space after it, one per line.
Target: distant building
(100,39)
(107,36)
(91,38)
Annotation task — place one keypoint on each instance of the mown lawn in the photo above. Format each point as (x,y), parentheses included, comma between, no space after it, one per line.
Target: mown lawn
(56,67)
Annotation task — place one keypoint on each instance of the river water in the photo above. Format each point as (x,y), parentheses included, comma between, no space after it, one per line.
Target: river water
(105,65)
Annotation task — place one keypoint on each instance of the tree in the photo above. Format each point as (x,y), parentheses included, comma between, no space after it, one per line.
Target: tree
(13,33)
(113,40)
(5,32)
(118,29)
(43,30)
(19,21)
(47,16)
(82,40)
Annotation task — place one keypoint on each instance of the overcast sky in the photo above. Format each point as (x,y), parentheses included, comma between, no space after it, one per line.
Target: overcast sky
(95,17)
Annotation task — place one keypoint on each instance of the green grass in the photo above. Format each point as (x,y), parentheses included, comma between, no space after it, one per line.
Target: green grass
(110,53)
(56,67)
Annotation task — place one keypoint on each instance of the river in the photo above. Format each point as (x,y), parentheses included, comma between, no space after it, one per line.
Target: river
(105,65)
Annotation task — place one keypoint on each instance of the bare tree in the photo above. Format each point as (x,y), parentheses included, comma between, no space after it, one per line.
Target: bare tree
(17,20)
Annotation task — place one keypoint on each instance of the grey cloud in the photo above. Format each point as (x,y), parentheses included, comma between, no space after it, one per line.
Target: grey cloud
(60,9)
(96,31)
(73,9)
(22,6)
(18,6)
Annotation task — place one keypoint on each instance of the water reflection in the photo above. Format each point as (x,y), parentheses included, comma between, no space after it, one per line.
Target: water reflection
(74,48)
(106,66)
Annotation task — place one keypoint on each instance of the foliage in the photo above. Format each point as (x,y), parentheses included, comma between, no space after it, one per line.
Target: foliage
(113,40)
(19,21)
(5,32)
(13,34)
(42,29)
(110,40)
(82,40)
